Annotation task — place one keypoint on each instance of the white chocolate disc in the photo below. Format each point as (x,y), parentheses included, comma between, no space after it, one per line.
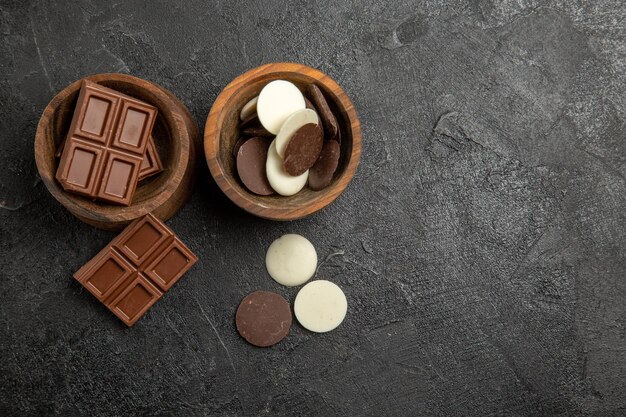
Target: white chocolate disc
(277,101)
(281,182)
(291,260)
(248,108)
(293,123)
(320,306)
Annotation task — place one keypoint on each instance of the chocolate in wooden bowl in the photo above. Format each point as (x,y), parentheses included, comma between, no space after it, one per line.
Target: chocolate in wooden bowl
(176,137)
(221,134)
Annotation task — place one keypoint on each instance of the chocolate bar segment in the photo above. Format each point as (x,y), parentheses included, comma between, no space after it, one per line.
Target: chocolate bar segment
(135,300)
(106,143)
(151,163)
(131,273)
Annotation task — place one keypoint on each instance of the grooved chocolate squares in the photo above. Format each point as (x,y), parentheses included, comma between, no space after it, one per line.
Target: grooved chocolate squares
(105,147)
(133,271)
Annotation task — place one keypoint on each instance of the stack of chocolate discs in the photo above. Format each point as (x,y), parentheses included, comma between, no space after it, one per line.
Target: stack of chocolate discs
(287,140)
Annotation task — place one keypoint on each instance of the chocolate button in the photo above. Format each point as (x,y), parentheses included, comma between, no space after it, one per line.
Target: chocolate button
(251,159)
(238,144)
(331,128)
(321,173)
(277,101)
(291,260)
(293,123)
(320,306)
(303,149)
(248,108)
(263,318)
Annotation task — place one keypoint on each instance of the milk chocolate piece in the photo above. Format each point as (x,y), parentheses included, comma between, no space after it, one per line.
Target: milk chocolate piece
(303,149)
(320,306)
(263,318)
(105,145)
(133,271)
(151,163)
(321,174)
(331,127)
(251,159)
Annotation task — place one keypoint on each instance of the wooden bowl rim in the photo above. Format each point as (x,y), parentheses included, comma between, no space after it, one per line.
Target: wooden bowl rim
(243,198)
(111,213)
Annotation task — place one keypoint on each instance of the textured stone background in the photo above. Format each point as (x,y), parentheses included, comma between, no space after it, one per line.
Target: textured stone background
(481,245)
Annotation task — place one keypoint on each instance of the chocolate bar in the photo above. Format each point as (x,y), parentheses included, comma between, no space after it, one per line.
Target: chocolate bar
(133,271)
(106,144)
(150,165)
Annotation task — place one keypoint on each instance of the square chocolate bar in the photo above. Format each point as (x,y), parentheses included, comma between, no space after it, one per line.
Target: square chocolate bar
(131,273)
(104,152)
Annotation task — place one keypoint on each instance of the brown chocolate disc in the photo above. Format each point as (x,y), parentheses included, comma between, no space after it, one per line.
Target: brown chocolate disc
(263,318)
(309,105)
(251,159)
(331,127)
(303,149)
(321,174)
(238,144)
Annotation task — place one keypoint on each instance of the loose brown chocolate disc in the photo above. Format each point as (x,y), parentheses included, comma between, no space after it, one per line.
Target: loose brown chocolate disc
(303,149)
(263,318)
(329,121)
(321,174)
(251,159)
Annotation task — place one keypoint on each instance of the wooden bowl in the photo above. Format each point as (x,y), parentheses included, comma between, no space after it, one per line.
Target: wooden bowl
(221,133)
(176,137)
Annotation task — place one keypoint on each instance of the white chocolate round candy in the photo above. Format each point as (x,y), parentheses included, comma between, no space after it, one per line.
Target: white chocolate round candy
(248,108)
(293,123)
(320,306)
(291,260)
(277,101)
(283,183)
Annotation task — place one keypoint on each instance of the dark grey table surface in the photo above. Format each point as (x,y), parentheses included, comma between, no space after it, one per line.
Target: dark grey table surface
(481,245)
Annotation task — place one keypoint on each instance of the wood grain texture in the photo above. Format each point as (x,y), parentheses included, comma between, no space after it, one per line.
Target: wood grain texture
(175,135)
(221,134)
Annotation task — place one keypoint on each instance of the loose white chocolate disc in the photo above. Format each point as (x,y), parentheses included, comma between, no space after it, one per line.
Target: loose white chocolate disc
(277,101)
(248,108)
(293,123)
(281,182)
(320,306)
(291,260)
